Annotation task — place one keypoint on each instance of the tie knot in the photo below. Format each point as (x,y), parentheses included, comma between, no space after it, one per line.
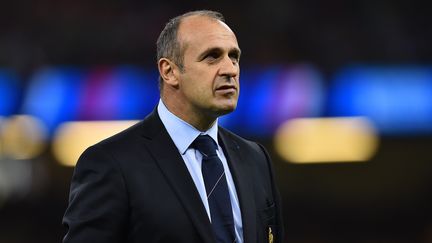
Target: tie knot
(206,145)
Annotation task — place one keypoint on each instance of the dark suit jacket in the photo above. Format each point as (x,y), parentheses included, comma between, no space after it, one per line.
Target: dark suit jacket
(134,187)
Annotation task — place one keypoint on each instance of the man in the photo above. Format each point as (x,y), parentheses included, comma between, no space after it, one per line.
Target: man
(156,182)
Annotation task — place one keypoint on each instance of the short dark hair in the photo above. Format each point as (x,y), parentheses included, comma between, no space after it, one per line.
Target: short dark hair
(167,44)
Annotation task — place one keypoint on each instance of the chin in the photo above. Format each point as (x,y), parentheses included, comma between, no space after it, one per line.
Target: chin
(224,107)
(226,110)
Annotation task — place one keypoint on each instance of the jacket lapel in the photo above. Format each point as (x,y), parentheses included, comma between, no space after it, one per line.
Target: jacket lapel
(240,171)
(176,173)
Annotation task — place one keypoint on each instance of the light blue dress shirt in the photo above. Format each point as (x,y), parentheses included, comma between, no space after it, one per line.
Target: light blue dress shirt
(183,134)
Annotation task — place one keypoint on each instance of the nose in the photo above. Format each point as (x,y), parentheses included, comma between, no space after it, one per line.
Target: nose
(229,67)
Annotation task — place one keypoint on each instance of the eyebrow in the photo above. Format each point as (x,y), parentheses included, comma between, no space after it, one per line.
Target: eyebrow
(234,50)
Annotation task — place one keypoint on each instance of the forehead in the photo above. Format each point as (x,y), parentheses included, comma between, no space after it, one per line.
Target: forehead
(202,32)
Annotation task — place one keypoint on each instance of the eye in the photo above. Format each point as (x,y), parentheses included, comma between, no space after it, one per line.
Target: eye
(235,57)
(212,56)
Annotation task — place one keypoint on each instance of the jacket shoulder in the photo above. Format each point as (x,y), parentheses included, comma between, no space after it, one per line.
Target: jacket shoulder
(132,135)
(239,141)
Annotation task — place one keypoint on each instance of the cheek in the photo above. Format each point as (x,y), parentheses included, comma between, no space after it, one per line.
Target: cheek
(199,82)
(198,90)
(202,84)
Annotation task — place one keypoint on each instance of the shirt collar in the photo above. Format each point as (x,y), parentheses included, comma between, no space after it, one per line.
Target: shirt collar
(181,132)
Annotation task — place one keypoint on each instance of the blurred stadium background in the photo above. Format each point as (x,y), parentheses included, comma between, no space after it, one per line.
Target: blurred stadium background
(340,92)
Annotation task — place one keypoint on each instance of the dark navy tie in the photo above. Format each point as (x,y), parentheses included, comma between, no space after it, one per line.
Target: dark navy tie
(217,189)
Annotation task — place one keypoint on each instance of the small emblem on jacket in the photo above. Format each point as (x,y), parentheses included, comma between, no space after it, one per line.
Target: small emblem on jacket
(270,235)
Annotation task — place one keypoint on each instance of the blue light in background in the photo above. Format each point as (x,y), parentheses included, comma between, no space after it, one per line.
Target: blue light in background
(298,92)
(53,95)
(117,93)
(138,92)
(397,99)
(99,95)
(257,113)
(270,96)
(9,93)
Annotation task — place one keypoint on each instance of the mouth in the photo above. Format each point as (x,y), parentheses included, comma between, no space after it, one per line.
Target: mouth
(226,88)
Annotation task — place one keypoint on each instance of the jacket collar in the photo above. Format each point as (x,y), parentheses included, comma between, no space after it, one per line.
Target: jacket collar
(171,164)
(241,170)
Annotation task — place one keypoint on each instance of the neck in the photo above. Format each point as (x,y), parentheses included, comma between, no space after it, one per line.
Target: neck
(200,120)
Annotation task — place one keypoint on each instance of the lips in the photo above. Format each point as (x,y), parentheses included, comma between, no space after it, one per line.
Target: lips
(226,88)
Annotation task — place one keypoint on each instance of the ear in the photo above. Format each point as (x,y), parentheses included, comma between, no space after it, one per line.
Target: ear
(168,72)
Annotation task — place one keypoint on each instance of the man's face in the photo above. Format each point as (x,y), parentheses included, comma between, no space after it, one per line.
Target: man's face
(209,83)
